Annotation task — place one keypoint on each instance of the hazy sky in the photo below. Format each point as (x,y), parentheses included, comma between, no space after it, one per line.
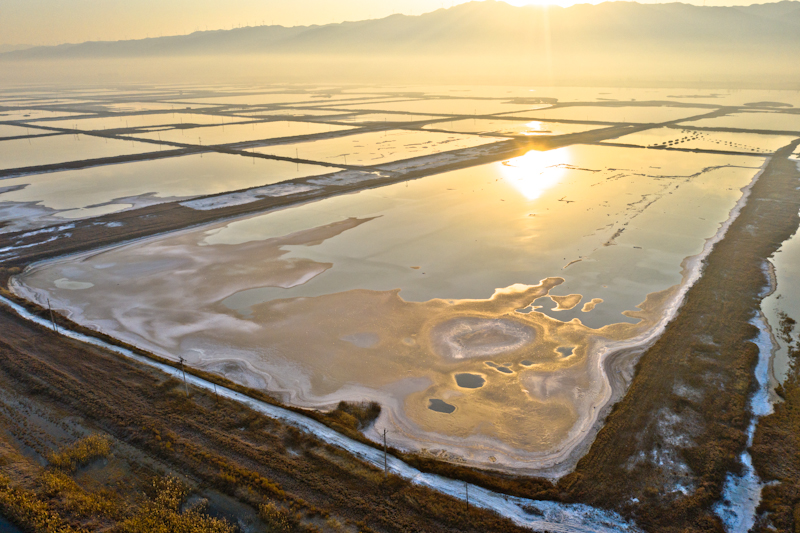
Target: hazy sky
(39,22)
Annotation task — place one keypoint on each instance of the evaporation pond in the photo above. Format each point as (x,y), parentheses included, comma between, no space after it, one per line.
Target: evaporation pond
(255,131)
(706,140)
(390,292)
(267,99)
(69,193)
(54,149)
(32,114)
(617,114)
(7,131)
(377,147)
(445,106)
(767,121)
(784,301)
(288,112)
(510,127)
(140,121)
(133,107)
(385,118)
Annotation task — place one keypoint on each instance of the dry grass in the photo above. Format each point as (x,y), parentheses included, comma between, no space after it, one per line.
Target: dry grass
(25,508)
(163,513)
(81,453)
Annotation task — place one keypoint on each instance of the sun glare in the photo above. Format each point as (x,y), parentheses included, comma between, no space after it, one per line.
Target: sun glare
(535,172)
(521,3)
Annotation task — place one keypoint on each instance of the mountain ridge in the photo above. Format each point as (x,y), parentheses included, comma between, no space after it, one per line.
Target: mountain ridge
(480,27)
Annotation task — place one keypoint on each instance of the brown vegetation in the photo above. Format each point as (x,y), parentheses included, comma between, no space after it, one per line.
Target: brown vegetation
(81,453)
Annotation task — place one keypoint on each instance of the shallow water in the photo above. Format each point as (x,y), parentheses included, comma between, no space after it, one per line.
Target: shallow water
(139,121)
(7,131)
(377,147)
(511,127)
(785,299)
(384,117)
(133,107)
(49,150)
(706,140)
(236,133)
(33,114)
(616,114)
(445,106)
(520,215)
(592,94)
(388,294)
(68,194)
(309,99)
(286,111)
(769,121)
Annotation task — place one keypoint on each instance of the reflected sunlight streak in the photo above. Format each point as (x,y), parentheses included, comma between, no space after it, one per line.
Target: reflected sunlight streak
(535,172)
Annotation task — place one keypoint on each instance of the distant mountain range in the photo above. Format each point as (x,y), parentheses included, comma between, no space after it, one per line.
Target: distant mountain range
(487,27)
(11,47)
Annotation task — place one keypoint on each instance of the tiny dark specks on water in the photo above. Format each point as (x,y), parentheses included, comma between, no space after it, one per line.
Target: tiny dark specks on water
(440,406)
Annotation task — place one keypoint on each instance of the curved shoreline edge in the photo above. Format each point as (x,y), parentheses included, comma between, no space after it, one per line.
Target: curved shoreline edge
(613,362)
(533,514)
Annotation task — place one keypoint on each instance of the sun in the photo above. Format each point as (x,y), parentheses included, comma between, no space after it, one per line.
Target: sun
(522,3)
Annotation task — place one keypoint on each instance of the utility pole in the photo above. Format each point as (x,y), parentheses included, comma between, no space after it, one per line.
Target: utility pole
(52,319)
(185,386)
(385,462)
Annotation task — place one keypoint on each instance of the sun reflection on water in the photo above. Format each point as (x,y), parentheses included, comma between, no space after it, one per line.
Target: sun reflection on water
(535,128)
(535,172)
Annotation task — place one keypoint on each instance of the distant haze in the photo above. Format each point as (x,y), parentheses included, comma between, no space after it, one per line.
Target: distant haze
(50,22)
(611,44)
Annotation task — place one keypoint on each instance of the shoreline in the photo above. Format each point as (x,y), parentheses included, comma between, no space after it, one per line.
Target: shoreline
(607,360)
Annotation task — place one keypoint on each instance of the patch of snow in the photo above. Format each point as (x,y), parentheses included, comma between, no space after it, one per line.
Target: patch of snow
(246,197)
(51,239)
(348,177)
(48,230)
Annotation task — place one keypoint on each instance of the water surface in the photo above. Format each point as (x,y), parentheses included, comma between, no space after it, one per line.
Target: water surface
(54,149)
(35,199)
(255,131)
(389,293)
(377,147)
